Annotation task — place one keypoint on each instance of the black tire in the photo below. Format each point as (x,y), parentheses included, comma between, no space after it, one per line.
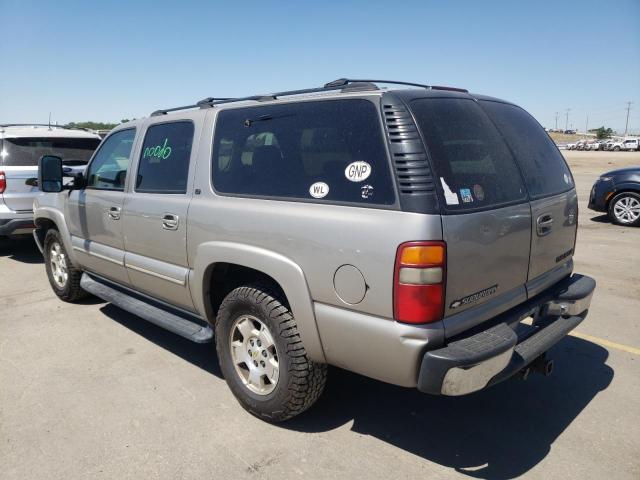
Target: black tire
(68,290)
(300,381)
(621,197)
(616,149)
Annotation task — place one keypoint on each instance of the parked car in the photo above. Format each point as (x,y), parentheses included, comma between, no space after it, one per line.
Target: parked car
(618,193)
(310,227)
(570,132)
(571,146)
(581,145)
(616,146)
(21,146)
(630,145)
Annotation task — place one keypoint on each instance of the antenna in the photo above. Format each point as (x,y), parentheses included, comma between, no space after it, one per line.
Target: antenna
(49,121)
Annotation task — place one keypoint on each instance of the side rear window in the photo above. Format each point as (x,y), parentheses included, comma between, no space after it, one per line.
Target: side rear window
(330,150)
(164,161)
(475,169)
(26,151)
(544,169)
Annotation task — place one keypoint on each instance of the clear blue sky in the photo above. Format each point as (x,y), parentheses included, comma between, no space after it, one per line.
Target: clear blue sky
(109,60)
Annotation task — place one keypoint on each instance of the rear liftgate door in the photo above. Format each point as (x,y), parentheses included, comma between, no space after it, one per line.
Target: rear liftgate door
(554,203)
(486,213)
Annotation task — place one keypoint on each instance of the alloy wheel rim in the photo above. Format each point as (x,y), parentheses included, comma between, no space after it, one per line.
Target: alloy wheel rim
(58,262)
(254,354)
(627,210)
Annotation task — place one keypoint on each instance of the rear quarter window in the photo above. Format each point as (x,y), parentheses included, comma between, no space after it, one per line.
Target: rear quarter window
(475,169)
(319,151)
(545,171)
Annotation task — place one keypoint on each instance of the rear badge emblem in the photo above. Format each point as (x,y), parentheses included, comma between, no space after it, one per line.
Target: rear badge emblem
(474,297)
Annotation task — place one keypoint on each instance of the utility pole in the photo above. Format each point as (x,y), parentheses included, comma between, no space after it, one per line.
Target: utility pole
(566,119)
(586,127)
(557,113)
(626,125)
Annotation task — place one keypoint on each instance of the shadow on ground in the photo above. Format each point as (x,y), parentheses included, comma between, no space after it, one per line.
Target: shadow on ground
(500,433)
(601,219)
(21,249)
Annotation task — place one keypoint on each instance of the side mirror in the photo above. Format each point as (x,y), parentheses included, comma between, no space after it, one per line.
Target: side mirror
(50,173)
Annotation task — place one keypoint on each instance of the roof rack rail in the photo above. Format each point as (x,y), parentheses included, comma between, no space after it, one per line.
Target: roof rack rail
(205,102)
(344,84)
(66,127)
(274,96)
(346,81)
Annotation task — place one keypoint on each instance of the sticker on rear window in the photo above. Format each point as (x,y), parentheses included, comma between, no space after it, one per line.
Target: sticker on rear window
(366,191)
(465,194)
(319,190)
(478,192)
(357,171)
(451,198)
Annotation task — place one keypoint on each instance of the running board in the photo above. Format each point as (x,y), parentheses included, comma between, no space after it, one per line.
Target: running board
(183,326)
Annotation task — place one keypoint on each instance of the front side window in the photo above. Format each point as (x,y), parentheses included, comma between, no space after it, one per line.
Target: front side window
(26,151)
(164,161)
(108,169)
(544,169)
(475,168)
(320,151)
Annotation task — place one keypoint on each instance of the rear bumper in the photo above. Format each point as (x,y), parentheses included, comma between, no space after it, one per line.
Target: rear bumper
(16,226)
(495,353)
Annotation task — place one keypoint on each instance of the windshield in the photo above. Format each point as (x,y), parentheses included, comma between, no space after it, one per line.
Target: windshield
(26,151)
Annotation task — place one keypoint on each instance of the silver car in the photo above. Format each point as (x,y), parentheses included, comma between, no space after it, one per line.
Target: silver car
(420,236)
(20,148)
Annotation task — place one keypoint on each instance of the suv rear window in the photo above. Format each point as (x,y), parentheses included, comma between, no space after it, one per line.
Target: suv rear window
(475,169)
(26,151)
(330,150)
(544,169)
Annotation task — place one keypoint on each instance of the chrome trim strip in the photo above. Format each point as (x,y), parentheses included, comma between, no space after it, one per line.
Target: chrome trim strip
(155,274)
(97,255)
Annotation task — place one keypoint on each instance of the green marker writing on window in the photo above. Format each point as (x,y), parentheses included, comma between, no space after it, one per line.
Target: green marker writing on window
(159,151)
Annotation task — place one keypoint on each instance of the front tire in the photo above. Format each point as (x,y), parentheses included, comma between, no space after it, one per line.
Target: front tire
(63,276)
(624,209)
(262,356)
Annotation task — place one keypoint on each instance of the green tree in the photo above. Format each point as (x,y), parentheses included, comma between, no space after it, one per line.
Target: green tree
(92,125)
(602,132)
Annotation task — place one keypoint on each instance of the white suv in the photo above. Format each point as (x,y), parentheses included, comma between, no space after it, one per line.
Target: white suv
(21,146)
(631,145)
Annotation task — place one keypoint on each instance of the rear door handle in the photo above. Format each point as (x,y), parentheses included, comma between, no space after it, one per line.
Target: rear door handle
(170,221)
(114,213)
(544,224)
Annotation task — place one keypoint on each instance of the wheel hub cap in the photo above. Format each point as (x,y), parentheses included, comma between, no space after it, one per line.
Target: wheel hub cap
(254,354)
(627,210)
(58,262)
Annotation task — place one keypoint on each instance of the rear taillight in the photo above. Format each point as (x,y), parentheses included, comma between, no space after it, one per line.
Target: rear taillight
(3,182)
(419,281)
